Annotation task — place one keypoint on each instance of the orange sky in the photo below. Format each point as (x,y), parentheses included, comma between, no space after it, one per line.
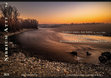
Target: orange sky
(66,12)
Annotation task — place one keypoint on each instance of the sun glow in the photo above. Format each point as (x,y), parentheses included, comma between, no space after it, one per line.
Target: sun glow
(75,12)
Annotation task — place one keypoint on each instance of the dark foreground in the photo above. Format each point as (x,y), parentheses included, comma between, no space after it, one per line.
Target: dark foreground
(20,65)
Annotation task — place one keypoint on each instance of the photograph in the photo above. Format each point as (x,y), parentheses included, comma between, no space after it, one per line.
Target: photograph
(55,39)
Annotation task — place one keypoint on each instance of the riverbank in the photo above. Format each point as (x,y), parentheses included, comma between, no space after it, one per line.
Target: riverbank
(22,65)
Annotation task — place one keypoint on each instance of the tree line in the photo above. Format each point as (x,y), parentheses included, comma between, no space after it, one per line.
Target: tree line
(14,22)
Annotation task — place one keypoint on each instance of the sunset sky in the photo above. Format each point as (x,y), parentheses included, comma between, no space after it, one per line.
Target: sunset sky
(65,12)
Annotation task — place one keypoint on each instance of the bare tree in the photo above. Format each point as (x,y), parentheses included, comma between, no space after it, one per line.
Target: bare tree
(10,11)
(12,14)
(14,23)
